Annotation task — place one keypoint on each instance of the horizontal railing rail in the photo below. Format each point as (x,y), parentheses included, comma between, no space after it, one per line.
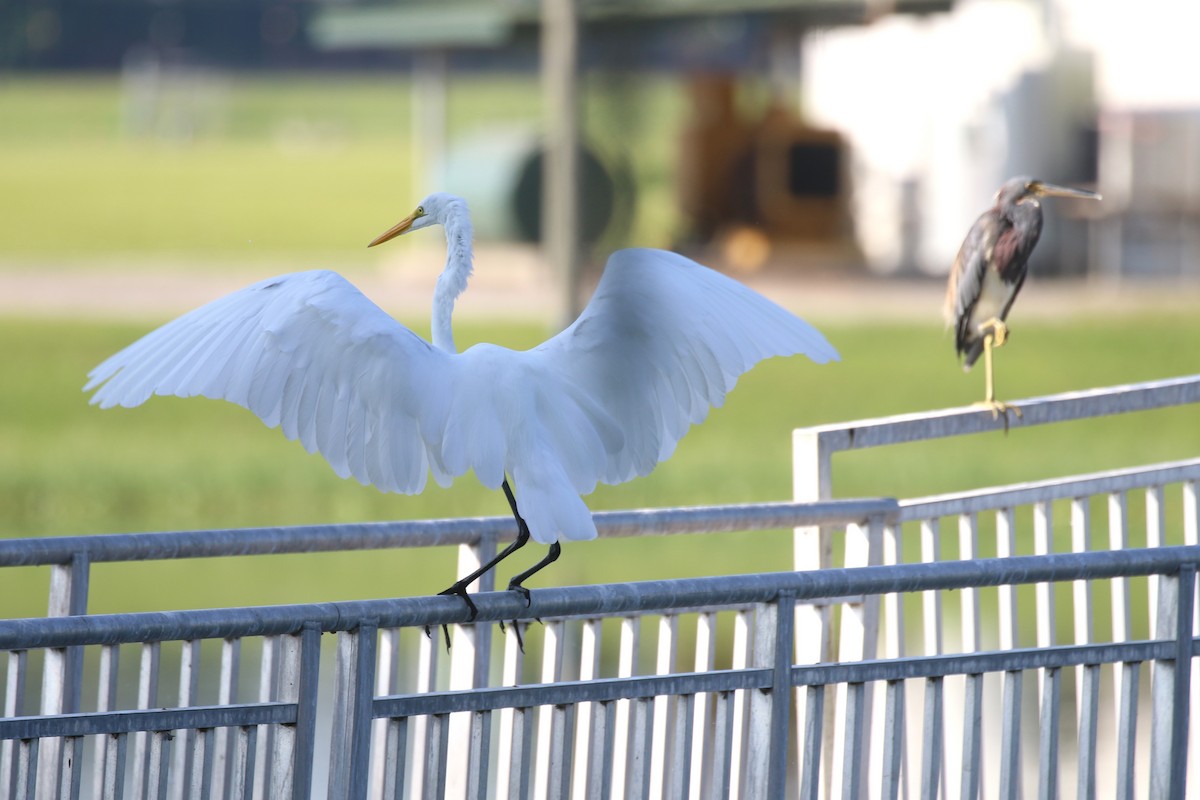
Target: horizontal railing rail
(598,599)
(960,421)
(1075,486)
(421,533)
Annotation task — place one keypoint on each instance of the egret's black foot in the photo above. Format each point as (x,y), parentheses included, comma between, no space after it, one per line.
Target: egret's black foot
(460,590)
(521,590)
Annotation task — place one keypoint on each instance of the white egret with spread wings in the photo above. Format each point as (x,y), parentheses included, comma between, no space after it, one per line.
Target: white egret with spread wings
(661,341)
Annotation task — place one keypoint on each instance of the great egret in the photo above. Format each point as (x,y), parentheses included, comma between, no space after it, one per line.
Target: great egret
(661,341)
(990,269)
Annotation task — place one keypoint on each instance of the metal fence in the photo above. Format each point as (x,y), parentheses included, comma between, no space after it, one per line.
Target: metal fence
(789,684)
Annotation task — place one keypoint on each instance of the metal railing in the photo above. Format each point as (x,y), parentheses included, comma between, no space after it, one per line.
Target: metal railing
(676,732)
(998,514)
(662,689)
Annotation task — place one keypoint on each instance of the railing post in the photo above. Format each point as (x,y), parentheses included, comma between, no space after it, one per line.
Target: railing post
(300,681)
(63,671)
(1171,687)
(350,750)
(469,660)
(812,481)
(766,763)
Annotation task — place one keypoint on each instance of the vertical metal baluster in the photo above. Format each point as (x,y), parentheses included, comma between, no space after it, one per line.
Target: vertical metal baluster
(1089,723)
(397,750)
(227,694)
(885,749)
(1047,618)
(972,642)
(1170,730)
(385,684)
(16,677)
(893,748)
(428,650)
(858,641)
(1118,540)
(518,783)
(810,767)
(71,769)
(189,682)
(268,690)
(1048,749)
(626,667)
(972,751)
(509,753)
(664,705)
(638,762)
(933,761)
(469,659)
(702,727)
(62,672)
(479,764)
(722,743)
(586,746)
(1127,717)
(679,767)
(1155,526)
(742,645)
(306,684)
(774,627)
(106,700)
(147,698)
(933,741)
(1010,735)
(812,480)
(202,765)
(1191,536)
(851,785)
(155,768)
(1081,525)
(281,754)
(1010,632)
(114,770)
(548,778)
(438,736)
(241,782)
(350,756)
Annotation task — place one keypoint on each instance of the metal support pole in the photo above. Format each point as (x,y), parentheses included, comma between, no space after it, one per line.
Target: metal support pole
(560,178)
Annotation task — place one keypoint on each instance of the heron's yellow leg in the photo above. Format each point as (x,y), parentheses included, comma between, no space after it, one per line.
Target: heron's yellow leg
(998,330)
(995,338)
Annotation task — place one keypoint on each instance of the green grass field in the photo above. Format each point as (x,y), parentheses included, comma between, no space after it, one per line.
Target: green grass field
(296,170)
(265,156)
(69,468)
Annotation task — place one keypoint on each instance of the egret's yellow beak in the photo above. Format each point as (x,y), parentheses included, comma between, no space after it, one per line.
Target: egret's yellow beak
(1052,190)
(400,227)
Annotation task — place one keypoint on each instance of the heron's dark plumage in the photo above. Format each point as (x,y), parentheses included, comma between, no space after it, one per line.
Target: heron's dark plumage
(999,243)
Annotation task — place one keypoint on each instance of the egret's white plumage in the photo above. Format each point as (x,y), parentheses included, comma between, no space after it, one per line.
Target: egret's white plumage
(662,340)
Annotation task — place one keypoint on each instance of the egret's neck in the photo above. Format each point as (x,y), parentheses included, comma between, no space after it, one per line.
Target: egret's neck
(453,279)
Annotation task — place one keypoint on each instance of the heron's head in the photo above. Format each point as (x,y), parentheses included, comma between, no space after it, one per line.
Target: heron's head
(435,209)
(1021,188)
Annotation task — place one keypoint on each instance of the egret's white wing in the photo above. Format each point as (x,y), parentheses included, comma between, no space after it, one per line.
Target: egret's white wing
(309,353)
(662,341)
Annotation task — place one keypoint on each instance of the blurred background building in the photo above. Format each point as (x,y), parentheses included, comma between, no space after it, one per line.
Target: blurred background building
(827,135)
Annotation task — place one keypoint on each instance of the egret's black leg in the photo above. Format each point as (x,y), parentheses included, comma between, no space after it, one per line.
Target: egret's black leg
(515,584)
(460,587)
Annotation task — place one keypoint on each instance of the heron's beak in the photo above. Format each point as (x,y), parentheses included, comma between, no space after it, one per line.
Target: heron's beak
(400,227)
(1051,190)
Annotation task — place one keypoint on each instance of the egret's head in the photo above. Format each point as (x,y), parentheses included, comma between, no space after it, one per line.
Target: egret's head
(433,210)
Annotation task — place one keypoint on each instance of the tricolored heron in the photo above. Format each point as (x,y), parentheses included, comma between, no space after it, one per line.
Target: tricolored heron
(989,270)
